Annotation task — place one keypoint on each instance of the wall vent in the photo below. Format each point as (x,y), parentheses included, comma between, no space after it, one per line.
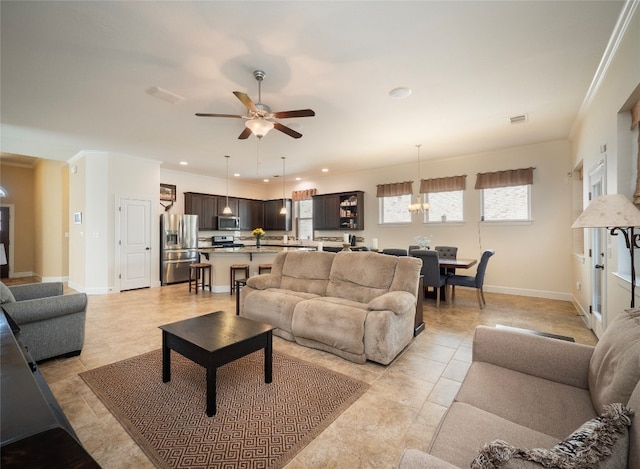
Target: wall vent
(518,119)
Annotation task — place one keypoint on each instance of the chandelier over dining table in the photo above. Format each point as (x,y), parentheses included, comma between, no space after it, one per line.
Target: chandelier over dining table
(418,206)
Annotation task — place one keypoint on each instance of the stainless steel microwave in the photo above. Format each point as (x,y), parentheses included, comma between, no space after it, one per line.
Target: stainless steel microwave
(228,223)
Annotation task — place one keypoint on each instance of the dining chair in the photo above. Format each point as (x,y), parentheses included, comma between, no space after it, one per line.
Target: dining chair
(413,247)
(447,252)
(472,281)
(395,252)
(431,272)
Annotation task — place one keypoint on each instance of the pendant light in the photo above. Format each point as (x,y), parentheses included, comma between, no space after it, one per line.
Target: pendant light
(283,210)
(227,209)
(418,206)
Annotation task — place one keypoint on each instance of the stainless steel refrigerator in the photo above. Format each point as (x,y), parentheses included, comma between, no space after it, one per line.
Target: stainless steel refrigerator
(178,246)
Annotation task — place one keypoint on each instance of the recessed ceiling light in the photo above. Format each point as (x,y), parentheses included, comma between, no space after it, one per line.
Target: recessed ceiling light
(298,179)
(265,180)
(400,92)
(236,174)
(184,163)
(325,170)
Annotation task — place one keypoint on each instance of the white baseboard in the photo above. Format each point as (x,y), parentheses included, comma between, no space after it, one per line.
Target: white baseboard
(526,292)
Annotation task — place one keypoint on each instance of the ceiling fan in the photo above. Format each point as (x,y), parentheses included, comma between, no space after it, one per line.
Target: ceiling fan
(260,119)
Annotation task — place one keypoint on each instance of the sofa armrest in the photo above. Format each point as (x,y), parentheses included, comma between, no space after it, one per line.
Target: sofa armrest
(32,291)
(553,359)
(398,302)
(264,281)
(27,311)
(416,459)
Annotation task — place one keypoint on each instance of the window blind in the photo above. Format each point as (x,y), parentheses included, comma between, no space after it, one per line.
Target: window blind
(395,188)
(507,178)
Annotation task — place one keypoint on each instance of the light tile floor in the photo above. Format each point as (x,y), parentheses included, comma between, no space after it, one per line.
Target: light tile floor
(401,409)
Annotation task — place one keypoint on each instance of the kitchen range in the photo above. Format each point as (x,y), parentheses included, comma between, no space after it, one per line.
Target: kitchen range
(225,242)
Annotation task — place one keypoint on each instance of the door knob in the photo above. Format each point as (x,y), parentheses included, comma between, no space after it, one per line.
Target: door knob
(147,249)
(599,266)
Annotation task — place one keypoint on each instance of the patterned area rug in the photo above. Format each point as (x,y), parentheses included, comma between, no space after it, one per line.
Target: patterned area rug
(257,425)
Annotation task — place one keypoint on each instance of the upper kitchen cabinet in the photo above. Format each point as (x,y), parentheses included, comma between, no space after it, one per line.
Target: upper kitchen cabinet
(339,211)
(203,205)
(251,213)
(273,220)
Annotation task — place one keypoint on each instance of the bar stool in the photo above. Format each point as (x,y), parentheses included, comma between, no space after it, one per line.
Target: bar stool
(241,282)
(266,267)
(232,274)
(197,270)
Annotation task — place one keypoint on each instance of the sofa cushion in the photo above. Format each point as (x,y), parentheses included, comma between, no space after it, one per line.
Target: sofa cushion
(274,306)
(361,276)
(466,429)
(545,406)
(335,322)
(306,271)
(614,370)
(5,294)
(599,443)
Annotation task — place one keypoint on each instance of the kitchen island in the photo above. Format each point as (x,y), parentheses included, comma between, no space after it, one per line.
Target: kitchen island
(221,260)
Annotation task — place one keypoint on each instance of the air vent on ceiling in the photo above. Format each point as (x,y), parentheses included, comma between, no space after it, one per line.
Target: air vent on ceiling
(522,118)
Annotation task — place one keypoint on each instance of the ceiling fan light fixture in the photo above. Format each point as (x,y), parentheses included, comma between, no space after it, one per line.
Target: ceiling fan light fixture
(259,127)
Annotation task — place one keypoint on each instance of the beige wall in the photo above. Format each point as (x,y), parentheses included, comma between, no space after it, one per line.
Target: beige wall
(19,184)
(51,208)
(605,123)
(531,258)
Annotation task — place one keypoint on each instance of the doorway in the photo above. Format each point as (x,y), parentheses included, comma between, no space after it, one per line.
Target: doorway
(135,243)
(598,251)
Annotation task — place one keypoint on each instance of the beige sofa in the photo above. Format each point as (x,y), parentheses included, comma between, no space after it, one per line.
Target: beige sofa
(358,305)
(533,393)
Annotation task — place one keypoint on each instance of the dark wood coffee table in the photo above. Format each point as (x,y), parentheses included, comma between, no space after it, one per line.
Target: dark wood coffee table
(213,340)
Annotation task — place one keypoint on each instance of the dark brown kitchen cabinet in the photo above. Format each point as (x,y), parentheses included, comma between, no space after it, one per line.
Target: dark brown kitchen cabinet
(339,211)
(273,220)
(251,213)
(203,205)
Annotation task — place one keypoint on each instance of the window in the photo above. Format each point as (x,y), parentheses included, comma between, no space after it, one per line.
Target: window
(393,209)
(506,203)
(305,219)
(445,206)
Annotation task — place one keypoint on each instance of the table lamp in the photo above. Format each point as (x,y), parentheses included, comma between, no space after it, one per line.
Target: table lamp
(616,213)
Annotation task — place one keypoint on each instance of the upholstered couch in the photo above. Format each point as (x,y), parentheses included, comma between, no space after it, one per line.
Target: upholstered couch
(529,400)
(358,305)
(51,323)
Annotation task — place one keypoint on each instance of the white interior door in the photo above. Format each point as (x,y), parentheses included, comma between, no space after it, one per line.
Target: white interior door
(598,256)
(135,244)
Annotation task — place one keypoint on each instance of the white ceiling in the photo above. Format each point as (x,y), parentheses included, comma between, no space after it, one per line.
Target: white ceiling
(75,76)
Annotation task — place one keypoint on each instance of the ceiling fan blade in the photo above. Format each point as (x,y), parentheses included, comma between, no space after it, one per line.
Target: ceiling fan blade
(286,130)
(298,113)
(245,133)
(202,114)
(246,100)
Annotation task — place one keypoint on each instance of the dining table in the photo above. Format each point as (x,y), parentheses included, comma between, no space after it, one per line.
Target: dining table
(457,263)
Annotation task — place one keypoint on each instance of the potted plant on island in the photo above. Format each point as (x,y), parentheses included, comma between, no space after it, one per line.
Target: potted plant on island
(258,233)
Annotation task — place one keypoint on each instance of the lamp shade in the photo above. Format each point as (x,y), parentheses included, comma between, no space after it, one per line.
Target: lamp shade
(259,127)
(608,211)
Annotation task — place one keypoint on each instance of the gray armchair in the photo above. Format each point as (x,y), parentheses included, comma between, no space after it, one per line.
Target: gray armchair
(51,323)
